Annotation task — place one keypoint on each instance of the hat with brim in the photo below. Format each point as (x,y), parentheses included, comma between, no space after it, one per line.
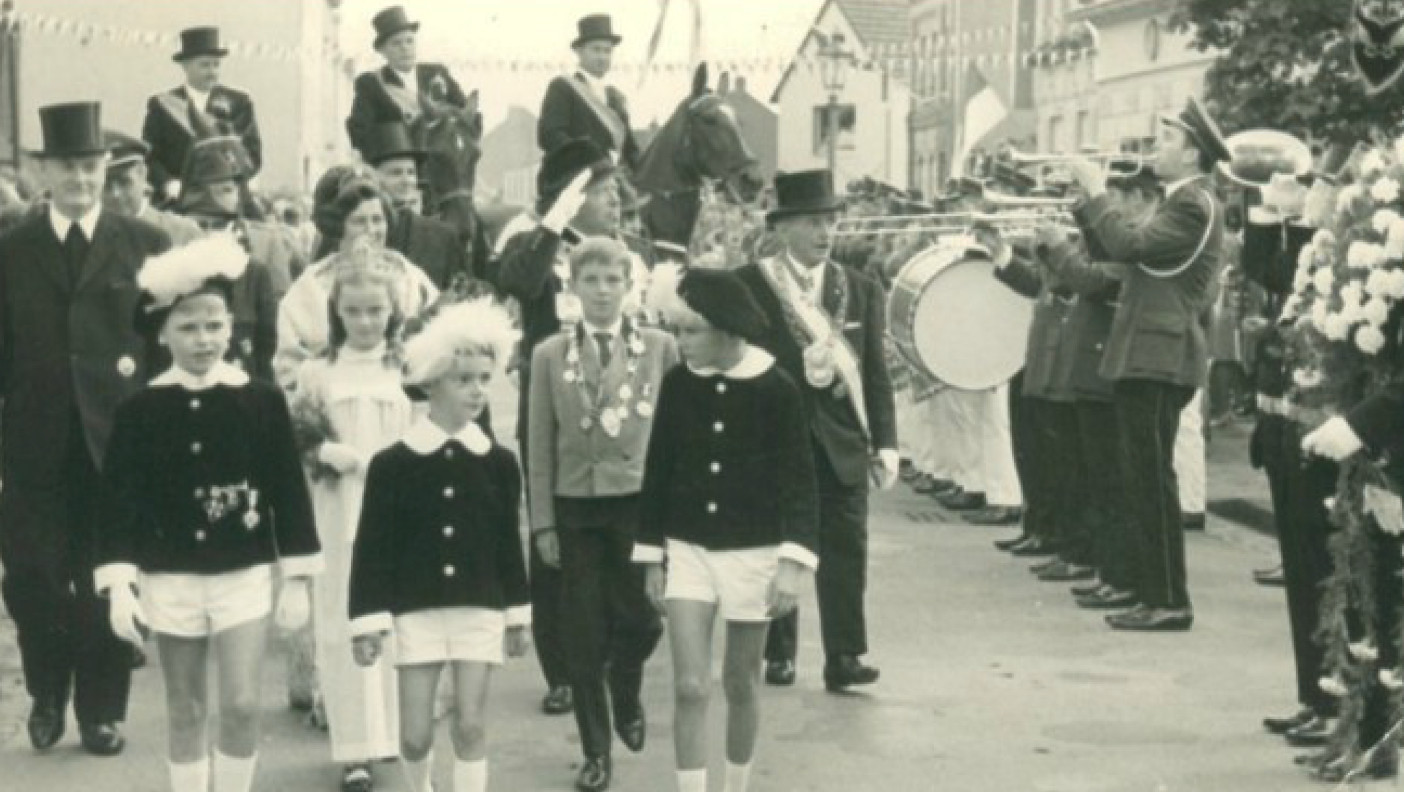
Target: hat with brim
(199,42)
(724,300)
(71,130)
(124,150)
(1197,124)
(390,22)
(595,27)
(808,192)
(562,164)
(391,140)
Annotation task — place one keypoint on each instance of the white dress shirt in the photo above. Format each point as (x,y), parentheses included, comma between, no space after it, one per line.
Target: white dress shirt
(61,223)
(201,99)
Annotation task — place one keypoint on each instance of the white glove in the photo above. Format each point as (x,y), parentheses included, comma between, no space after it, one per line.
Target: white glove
(125,614)
(173,189)
(294,605)
(567,203)
(1333,440)
(341,457)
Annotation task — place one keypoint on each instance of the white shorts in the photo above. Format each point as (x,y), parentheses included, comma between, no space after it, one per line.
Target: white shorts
(737,581)
(440,635)
(197,606)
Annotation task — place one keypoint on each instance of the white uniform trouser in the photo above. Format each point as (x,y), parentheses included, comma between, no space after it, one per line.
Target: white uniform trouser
(1189,456)
(910,441)
(986,454)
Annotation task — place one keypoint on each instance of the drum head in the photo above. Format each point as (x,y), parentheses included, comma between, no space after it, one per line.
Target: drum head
(970,330)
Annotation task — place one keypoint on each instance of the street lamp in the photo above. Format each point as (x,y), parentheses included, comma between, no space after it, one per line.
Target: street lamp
(834,71)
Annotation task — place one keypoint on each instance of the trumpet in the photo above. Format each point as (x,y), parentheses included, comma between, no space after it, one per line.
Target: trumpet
(1115,163)
(1015,223)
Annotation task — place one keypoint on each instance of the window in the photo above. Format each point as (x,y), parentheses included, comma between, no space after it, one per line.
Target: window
(846,122)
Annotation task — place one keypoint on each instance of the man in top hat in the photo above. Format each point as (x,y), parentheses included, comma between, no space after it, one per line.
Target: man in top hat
(583,105)
(437,247)
(402,88)
(199,108)
(67,297)
(827,324)
(1156,353)
(128,191)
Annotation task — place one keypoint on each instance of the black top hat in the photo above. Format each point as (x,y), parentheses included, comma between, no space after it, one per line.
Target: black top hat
(724,300)
(125,149)
(565,162)
(1203,132)
(198,41)
(391,21)
(390,140)
(595,27)
(804,193)
(71,130)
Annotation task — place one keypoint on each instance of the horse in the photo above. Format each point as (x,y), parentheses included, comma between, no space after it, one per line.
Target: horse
(450,137)
(701,143)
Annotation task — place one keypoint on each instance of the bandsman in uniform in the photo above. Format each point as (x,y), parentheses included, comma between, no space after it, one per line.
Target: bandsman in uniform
(128,191)
(583,105)
(399,90)
(198,109)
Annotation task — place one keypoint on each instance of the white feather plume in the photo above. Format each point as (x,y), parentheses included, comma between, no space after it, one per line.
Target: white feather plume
(661,296)
(183,270)
(459,327)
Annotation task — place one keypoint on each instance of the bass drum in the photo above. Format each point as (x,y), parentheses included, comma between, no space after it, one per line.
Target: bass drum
(952,319)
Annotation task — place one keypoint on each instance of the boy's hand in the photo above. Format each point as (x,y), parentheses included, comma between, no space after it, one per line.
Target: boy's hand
(366,650)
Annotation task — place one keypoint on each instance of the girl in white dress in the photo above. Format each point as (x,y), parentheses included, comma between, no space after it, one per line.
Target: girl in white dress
(349,405)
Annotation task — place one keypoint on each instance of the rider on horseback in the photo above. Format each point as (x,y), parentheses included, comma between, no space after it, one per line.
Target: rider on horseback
(582,105)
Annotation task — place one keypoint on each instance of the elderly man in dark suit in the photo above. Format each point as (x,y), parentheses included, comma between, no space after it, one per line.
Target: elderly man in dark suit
(827,324)
(68,356)
(198,109)
(399,90)
(582,105)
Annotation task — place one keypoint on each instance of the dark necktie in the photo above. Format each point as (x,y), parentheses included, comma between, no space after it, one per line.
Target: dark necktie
(605,341)
(75,251)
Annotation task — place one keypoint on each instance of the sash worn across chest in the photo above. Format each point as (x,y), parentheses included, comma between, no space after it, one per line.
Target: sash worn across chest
(602,110)
(405,98)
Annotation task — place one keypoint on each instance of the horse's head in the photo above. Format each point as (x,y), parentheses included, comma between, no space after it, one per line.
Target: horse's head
(712,141)
(450,137)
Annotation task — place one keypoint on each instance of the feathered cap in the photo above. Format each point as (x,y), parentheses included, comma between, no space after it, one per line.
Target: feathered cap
(210,263)
(470,327)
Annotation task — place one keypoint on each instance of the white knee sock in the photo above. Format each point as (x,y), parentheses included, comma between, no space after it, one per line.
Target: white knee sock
(233,775)
(190,776)
(470,776)
(738,777)
(419,772)
(692,780)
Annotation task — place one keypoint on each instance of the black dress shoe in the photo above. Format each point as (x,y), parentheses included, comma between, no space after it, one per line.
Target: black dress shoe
(46,723)
(780,672)
(101,739)
(558,701)
(995,515)
(1153,620)
(594,775)
(963,501)
(1270,577)
(1010,544)
(1066,572)
(1193,521)
(1312,734)
(1106,598)
(633,732)
(1034,548)
(942,487)
(845,671)
(1377,765)
(1283,725)
(1087,588)
(1045,565)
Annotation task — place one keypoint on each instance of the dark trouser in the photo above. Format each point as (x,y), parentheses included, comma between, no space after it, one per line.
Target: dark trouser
(1104,494)
(1148,414)
(67,647)
(1299,486)
(1059,480)
(1019,427)
(1389,592)
(842,576)
(609,627)
(1030,445)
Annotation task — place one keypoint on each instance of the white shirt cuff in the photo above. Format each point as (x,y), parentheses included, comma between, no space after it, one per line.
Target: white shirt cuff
(301,566)
(647,554)
(799,554)
(372,624)
(519,616)
(107,576)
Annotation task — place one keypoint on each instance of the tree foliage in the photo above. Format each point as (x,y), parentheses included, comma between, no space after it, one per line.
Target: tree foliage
(1285,64)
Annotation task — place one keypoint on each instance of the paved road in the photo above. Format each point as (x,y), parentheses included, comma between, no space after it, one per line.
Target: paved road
(992,682)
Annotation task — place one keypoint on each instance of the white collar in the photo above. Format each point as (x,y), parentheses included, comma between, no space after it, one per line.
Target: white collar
(753,363)
(1178,183)
(221,373)
(375,353)
(61,223)
(797,264)
(409,77)
(614,330)
(425,437)
(202,98)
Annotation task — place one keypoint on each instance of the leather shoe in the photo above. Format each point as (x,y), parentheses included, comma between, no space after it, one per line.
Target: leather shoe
(1312,734)
(101,739)
(1087,588)
(1106,598)
(1065,572)
(46,723)
(558,701)
(962,500)
(1317,759)
(1045,565)
(942,487)
(926,485)
(634,732)
(995,515)
(1010,544)
(1381,763)
(780,672)
(1033,548)
(1270,577)
(1278,725)
(1142,619)
(594,775)
(846,671)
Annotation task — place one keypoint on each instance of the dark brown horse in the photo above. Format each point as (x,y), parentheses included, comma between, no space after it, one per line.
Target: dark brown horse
(450,137)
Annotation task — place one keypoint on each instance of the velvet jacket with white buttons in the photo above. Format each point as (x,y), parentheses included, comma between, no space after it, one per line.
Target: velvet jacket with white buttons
(439,528)
(730,464)
(206,479)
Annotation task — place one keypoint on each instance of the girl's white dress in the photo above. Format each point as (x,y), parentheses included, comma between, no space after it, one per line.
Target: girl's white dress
(360,394)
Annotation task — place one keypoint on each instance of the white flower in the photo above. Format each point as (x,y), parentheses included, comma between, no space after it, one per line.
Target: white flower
(1394,241)
(1386,190)
(1332,686)
(1383,219)
(1306,379)
(1352,292)
(1369,339)
(1319,314)
(1302,279)
(1337,327)
(1352,311)
(1364,255)
(1376,311)
(1306,257)
(1364,650)
(1371,163)
(1394,288)
(1347,196)
(1324,279)
(1377,284)
(1292,307)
